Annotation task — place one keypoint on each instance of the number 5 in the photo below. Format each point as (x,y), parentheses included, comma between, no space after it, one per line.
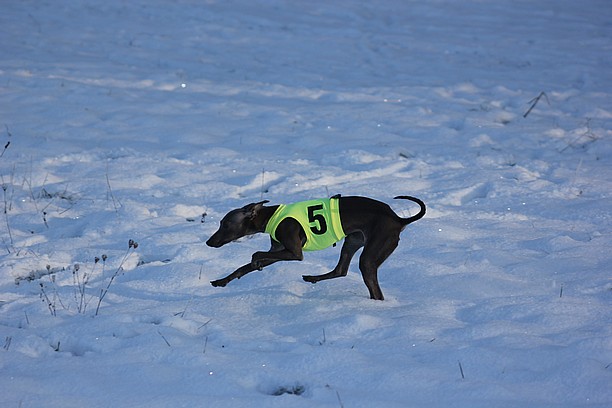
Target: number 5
(319,219)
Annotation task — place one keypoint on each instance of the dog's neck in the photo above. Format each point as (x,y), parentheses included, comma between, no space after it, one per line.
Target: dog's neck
(263,216)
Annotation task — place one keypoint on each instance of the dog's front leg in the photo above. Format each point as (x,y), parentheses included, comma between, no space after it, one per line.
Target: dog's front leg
(240,272)
(237,274)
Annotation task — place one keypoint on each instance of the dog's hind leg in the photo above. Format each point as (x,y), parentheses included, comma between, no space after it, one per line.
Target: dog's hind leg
(352,243)
(374,254)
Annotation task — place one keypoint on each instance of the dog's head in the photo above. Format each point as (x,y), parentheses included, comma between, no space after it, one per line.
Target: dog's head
(236,224)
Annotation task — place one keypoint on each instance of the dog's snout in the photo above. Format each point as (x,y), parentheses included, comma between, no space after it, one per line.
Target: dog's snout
(212,242)
(217,240)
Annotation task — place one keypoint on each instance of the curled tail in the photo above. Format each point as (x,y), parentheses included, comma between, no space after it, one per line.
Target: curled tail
(415,217)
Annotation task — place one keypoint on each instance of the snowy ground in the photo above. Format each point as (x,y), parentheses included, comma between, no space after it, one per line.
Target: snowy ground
(130,120)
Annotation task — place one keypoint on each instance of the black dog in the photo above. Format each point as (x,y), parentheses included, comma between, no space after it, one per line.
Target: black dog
(365,222)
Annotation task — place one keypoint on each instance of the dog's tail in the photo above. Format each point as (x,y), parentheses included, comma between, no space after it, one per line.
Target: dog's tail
(415,217)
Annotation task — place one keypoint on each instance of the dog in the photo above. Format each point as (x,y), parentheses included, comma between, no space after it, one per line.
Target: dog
(316,224)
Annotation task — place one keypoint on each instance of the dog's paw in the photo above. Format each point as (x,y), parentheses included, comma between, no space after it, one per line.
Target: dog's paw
(218,283)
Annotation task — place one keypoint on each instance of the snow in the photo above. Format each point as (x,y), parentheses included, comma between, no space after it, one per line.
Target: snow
(149,120)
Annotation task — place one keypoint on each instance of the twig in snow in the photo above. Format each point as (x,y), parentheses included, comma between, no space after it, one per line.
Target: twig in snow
(6,146)
(8,143)
(205,344)
(561,292)
(535,101)
(182,314)
(79,289)
(263,178)
(324,339)
(591,138)
(166,340)
(46,299)
(51,303)
(37,274)
(131,245)
(6,218)
(339,399)
(337,395)
(209,320)
(110,191)
(461,370)
(8,206)
(7,342)
(80,283)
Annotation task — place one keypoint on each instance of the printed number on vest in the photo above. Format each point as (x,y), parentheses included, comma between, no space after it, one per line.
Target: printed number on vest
(320,226)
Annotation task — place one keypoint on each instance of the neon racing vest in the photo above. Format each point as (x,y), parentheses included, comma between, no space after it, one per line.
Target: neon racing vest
(320,220)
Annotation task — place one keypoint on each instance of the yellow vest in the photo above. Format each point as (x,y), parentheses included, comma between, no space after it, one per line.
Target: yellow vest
(320,220)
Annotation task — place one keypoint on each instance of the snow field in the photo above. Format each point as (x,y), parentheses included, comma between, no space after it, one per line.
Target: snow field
(148,121)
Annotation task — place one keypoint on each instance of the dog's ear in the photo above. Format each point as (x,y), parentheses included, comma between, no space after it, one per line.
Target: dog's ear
(252,209)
